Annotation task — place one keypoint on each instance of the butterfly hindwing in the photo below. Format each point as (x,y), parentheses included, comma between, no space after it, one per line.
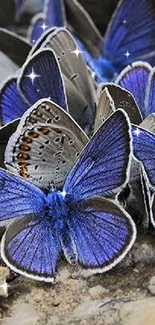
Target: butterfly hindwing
(31,248)
(103,234)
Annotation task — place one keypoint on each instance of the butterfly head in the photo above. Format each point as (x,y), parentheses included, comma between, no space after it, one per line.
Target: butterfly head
(103,69)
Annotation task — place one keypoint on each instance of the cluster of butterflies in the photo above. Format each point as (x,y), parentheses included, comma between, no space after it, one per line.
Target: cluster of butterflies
(77,143)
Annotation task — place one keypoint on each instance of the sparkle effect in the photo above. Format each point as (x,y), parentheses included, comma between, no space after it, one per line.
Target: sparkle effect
(137,132)
(32,75)
(43,26)
(77,52)
(127,54)
(124,22)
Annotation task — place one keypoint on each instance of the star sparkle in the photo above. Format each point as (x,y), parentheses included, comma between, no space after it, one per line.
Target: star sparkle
(43,26)
(137,132)
(77,52)
(124,21)
(32,75)
(127,54)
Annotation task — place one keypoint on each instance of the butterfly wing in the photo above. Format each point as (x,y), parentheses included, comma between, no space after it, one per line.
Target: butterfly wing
(29,246)
(16,197)
(104,109)
(149,123)
(131,30)
(144,150)
(12,104)
(55,13)
(103,234)
(124,99)
(103,165)
(83,27)
(47,82)
(35,30)
(45,152)
(73,65)
(136,80)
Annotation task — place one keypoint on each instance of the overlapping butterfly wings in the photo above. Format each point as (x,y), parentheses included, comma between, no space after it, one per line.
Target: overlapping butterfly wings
(103,233)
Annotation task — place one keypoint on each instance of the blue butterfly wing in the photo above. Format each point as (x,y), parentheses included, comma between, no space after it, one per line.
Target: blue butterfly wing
(12,104)
(31,248)
(132,30)
(103,234)
(36,30)
(16,197)
(47,84)
(103,164)
(136,79)
(55,13)
(144,150)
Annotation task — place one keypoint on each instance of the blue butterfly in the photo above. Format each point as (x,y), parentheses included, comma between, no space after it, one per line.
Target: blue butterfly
(78,222)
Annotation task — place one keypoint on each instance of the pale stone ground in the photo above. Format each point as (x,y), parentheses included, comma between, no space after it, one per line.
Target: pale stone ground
(123,296)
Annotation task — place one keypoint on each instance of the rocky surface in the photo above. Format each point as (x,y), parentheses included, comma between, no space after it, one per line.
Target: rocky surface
(123,296)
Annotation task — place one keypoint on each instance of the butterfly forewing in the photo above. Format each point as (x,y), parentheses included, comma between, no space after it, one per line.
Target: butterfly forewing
(103,165)
(41,78)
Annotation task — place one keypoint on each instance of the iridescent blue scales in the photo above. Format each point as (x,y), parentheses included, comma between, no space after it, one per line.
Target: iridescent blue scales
(78,222)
